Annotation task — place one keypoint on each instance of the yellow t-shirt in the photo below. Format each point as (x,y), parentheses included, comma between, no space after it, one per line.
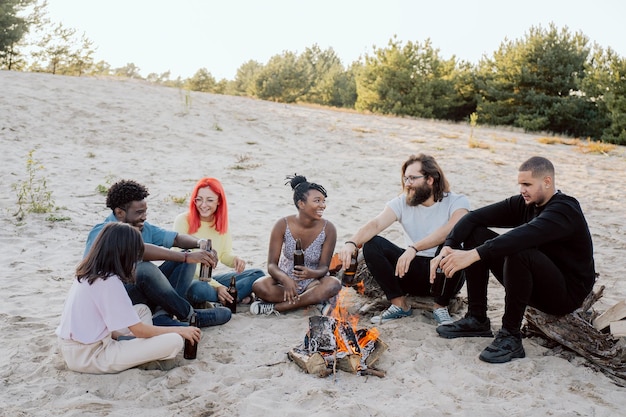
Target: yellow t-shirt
(223,244)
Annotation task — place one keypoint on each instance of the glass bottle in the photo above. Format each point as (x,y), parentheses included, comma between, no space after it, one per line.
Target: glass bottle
(232,290)
(298,254)
(191,350)
(349,273)
(206,270)
(439,284)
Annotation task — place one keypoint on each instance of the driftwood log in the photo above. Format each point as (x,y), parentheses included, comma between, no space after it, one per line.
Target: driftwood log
(575,332)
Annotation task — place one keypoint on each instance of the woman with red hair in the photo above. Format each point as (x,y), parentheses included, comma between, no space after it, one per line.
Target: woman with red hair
(207,218)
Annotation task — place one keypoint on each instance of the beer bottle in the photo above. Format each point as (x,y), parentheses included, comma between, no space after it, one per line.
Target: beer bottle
(191,350)
(206,270)
(298,254)
(439,284)
(349,273)
(232,290)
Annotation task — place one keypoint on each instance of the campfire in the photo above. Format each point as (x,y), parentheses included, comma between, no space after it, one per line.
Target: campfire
(332,342)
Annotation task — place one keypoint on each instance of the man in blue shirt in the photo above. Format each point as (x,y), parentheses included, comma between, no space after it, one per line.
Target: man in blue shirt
(162,288)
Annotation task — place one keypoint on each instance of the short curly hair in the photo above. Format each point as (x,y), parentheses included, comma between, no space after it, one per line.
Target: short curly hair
(124,192)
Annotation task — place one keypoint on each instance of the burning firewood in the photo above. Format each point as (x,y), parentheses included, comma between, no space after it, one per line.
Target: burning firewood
(332,342)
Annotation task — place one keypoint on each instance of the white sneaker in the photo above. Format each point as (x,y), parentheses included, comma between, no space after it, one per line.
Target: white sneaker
(442,316)
(261,307)
(393,312)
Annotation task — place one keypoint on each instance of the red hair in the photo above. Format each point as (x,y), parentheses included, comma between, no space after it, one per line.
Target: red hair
(221,213)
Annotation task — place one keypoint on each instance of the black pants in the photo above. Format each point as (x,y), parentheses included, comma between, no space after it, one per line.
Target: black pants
(381,257)
(529,278)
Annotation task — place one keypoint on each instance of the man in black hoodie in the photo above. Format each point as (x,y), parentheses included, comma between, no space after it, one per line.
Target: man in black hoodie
(545,260)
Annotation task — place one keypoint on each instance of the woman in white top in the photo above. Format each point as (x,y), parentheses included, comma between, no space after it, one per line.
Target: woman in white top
(98,311)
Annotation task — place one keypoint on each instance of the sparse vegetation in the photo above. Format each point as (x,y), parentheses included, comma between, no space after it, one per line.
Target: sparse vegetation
(243,162)
(187,101)
(58,218)
(590,146)
(104,189)
(557,141)
(33,195)
(584,146)
(475,144)
(362,130)
(178,200)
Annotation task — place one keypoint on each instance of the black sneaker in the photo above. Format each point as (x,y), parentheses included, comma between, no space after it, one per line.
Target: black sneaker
(468,326)
(506,346)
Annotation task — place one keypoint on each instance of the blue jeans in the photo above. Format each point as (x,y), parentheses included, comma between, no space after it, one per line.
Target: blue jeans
(163,286)
(206,317)
(162,289)
(201,291)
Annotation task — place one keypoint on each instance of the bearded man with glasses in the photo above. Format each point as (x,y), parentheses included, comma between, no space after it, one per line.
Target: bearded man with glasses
(427,211)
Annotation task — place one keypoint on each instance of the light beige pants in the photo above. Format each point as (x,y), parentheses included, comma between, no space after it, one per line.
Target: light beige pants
(110,356)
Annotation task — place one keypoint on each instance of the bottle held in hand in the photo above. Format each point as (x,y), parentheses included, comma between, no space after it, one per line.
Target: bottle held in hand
(439,284)
(298,254)
(232,290)
(206,271)
(349,274)
(191,350)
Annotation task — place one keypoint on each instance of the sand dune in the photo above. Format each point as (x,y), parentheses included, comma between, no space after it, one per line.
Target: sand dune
(89,132)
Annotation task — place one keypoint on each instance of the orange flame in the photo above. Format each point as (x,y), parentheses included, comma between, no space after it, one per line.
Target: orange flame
(370,336)
(341,315)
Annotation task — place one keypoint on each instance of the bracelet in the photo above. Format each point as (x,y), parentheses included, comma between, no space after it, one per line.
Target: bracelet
(355,245)
(414,248)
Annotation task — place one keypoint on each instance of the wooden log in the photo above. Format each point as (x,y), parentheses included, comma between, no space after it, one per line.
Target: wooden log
(349,363)
(591,298)
(346,333)
(311,363)
(615,313)
(379,348)
(321,334)
(577,334)
(371,371)
(618,328)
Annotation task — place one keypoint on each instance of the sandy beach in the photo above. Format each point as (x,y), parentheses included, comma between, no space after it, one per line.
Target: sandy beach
(87,133)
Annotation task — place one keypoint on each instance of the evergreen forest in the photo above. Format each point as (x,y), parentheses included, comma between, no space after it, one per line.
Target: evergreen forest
(551,80)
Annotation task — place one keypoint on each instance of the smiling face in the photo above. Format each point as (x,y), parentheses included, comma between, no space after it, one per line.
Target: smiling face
(206,203)
(418,187)
(314,205)
(135,214)
(535,190)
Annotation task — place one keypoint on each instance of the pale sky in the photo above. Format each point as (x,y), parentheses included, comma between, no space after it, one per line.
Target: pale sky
(185,35)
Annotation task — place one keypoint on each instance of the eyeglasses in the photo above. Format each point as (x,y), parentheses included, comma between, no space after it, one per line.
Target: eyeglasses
(411,178)
(200,200)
